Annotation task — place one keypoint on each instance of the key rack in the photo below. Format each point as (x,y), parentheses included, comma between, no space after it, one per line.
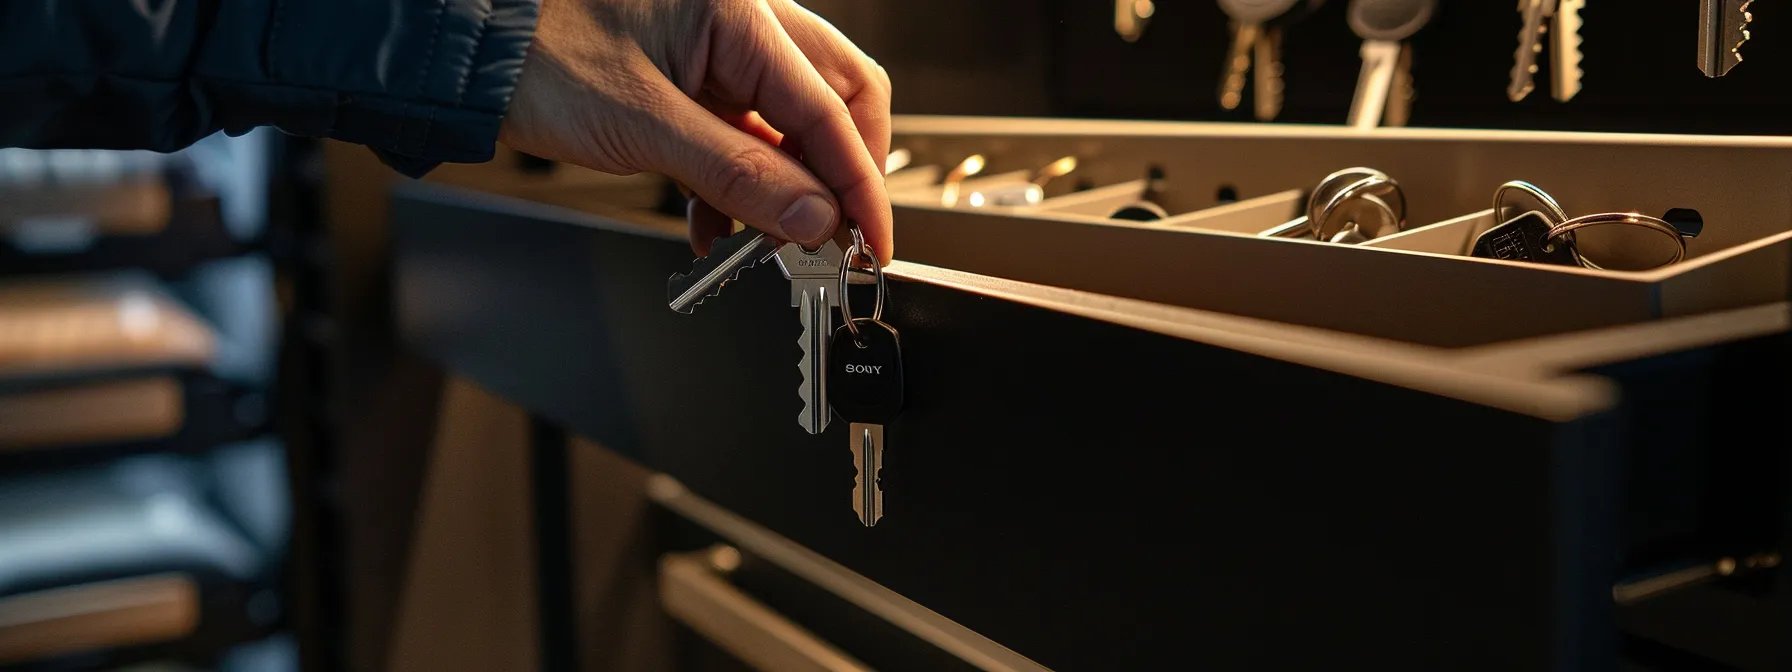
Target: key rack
(1171,437)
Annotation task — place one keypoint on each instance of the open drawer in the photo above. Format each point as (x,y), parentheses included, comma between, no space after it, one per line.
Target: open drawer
(1101,482)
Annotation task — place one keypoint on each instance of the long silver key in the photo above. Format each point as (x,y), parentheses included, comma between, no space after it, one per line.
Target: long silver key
(867,393)
(1384,26)
(814,292)
(727,258)
(1536,14)
(1723,28)
(1254,40)
(1564,54)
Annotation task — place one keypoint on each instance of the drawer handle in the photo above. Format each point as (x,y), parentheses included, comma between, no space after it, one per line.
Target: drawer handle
(693,593)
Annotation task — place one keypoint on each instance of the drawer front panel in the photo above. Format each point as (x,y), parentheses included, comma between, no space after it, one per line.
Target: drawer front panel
(1091,495)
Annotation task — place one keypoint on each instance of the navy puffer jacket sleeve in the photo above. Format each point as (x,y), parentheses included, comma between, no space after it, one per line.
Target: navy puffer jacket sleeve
(421,82)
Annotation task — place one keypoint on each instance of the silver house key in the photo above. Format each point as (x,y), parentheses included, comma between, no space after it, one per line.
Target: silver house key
(1564,53)
(1384,26)
(727,258)
(1555,23)
(814,293)
(1723,28)
(866,384)
(1536,15)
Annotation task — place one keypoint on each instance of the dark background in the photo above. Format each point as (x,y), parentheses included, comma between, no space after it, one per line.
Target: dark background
(1063,58)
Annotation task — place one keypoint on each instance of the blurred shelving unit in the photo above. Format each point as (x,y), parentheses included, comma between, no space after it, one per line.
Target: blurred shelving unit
(145,506)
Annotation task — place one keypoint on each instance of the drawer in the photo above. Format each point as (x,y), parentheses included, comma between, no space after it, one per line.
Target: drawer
(755,600)
(1101,482)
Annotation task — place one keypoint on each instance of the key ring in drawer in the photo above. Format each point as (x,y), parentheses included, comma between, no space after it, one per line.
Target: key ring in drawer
(1542,197)
(1372,186)
(1564,231)
(1562,227)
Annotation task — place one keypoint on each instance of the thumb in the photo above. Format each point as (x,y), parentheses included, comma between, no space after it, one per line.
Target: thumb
(745,177)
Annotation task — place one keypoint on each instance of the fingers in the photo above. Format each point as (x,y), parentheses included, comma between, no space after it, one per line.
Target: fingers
(859,81)
(756,63)
(737,174)
(743,118)
(707,224)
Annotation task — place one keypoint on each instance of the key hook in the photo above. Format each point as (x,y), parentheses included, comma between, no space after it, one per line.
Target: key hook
(860,250)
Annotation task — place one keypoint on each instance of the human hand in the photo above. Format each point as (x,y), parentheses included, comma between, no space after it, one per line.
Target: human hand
(760,107)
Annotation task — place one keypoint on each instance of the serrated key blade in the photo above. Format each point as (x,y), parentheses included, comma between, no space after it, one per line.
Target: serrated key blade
(1723,29)
(867,459)
(817,319)
(1566,56)
(727,258)
(1524,59)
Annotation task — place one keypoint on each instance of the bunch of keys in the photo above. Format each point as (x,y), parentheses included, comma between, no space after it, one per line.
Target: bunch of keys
(1257,50)
(812,275)
(1546,235)
(865,385)
(854,371)
(1349,207)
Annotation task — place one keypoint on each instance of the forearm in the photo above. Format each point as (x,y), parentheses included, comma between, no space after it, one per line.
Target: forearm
(420,81)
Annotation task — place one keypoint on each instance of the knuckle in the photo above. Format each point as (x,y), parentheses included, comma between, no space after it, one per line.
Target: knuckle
(742,175)
(883,77)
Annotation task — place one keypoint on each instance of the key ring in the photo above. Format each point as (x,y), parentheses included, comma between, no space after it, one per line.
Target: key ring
(1368,183)
(1329,184)
(1562,227)
(860,250)
(1566,228)
(1542,197)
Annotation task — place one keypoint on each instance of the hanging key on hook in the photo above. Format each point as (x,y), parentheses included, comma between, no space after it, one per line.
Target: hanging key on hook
(1384,87)
(1257,51)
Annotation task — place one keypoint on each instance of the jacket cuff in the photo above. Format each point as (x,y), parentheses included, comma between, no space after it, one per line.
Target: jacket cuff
(445,80)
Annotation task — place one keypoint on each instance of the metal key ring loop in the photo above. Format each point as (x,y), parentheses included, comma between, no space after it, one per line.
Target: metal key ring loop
(1542,197)
(1566,228)
(1317,217)
(1330,184)
(1317,220)
(860,250)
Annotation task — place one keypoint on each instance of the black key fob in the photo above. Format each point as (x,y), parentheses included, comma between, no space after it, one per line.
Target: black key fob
(1525,238)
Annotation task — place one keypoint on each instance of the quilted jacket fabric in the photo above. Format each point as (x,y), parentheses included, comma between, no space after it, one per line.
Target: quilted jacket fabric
(421,82)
